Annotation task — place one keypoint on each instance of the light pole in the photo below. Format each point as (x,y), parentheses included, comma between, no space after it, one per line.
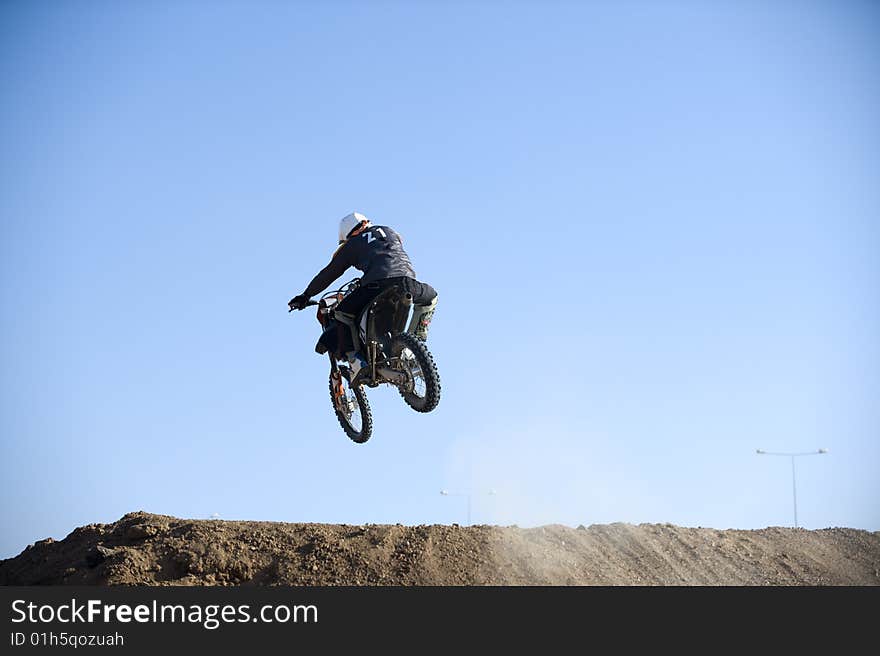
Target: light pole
(761,452)
(447,493)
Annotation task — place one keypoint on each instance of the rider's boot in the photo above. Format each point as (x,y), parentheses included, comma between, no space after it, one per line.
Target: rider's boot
(356,362)
(421,319)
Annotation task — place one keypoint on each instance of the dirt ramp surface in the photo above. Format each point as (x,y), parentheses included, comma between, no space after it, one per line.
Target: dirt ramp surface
(147,549)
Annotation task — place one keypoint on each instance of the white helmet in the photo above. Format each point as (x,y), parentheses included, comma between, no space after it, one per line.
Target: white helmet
(348,223)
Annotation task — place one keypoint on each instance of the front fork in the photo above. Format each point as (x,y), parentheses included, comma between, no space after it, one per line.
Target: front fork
(338,389)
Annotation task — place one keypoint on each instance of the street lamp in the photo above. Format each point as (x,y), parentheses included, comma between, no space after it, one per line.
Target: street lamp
(447,493)
(761,452)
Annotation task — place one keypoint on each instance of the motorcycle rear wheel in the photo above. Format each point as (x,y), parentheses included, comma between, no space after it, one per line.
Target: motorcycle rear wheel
(411,355)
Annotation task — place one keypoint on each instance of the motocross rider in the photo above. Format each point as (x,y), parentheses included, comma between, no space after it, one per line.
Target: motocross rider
(378,252)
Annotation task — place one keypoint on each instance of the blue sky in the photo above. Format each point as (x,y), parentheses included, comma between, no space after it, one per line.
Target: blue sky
(653,227)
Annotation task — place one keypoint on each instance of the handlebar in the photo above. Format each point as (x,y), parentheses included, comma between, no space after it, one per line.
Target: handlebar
(309,304)
(345,290)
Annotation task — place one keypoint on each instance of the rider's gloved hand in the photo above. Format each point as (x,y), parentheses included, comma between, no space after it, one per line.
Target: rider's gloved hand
(298,302)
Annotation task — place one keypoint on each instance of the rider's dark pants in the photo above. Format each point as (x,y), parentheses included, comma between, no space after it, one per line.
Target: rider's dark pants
(422,294)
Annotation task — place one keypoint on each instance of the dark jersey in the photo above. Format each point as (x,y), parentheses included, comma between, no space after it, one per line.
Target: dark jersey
(377,251)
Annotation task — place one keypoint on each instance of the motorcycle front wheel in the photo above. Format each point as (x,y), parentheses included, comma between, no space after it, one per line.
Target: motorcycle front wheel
(351,407)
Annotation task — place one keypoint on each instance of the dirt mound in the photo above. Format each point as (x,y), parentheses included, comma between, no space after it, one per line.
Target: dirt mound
(146,549)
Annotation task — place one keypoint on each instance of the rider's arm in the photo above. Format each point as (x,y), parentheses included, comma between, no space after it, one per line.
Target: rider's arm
(338,265)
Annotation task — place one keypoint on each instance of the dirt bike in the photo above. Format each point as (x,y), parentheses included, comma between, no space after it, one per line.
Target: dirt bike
(393,353)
